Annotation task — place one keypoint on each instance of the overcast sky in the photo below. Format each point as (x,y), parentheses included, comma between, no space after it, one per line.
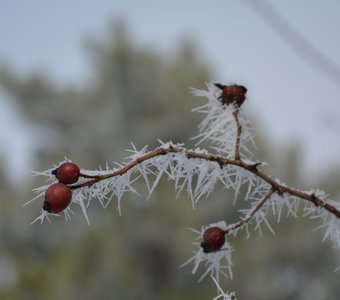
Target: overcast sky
(293,98)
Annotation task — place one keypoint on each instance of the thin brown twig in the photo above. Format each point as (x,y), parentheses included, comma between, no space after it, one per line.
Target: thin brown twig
(222,161)
(246,220)
(238,137)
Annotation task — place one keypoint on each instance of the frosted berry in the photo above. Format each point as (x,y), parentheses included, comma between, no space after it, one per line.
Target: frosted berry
(232,94)
(213,239)
(57,197)
(67,173)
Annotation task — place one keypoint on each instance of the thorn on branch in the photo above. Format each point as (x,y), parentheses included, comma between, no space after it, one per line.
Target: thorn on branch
(278,189)
(189,155)
(162,151)
(255,166)
(219,160)
(315,200)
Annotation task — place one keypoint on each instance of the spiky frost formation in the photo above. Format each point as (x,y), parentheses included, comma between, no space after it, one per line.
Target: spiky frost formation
(330,223)
(215,263)
(218,126)
(197,172)
(198,177)
(222,295)
(78,196)
(102,191)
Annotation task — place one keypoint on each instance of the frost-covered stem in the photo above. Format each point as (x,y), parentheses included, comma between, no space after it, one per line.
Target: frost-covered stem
(246,220)
(97,178)
(89,176)
(222,161)
(238,137)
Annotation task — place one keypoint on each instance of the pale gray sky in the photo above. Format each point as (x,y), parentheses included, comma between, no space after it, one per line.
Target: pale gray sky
(292,99)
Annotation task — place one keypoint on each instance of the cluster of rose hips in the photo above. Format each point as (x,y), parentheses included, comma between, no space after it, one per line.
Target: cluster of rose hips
(58,196)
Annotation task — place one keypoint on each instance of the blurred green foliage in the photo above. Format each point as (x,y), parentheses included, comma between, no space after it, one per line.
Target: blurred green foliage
(138,94)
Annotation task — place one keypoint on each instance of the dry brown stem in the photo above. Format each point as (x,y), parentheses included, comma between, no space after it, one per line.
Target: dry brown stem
(222,161)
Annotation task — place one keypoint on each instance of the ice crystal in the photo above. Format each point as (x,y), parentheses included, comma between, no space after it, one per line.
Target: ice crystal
(221,294)
(330,223)
(219,126)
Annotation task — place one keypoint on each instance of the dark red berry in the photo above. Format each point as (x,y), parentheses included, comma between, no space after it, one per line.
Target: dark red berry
(67,173)
(57,197)
(213,239)
(232,94)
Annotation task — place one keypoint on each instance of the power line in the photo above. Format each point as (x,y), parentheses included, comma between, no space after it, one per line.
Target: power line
(302,46)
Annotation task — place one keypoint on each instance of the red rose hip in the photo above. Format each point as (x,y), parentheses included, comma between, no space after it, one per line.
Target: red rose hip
(213,239)
(57,197)
(232,94)
(67,173)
